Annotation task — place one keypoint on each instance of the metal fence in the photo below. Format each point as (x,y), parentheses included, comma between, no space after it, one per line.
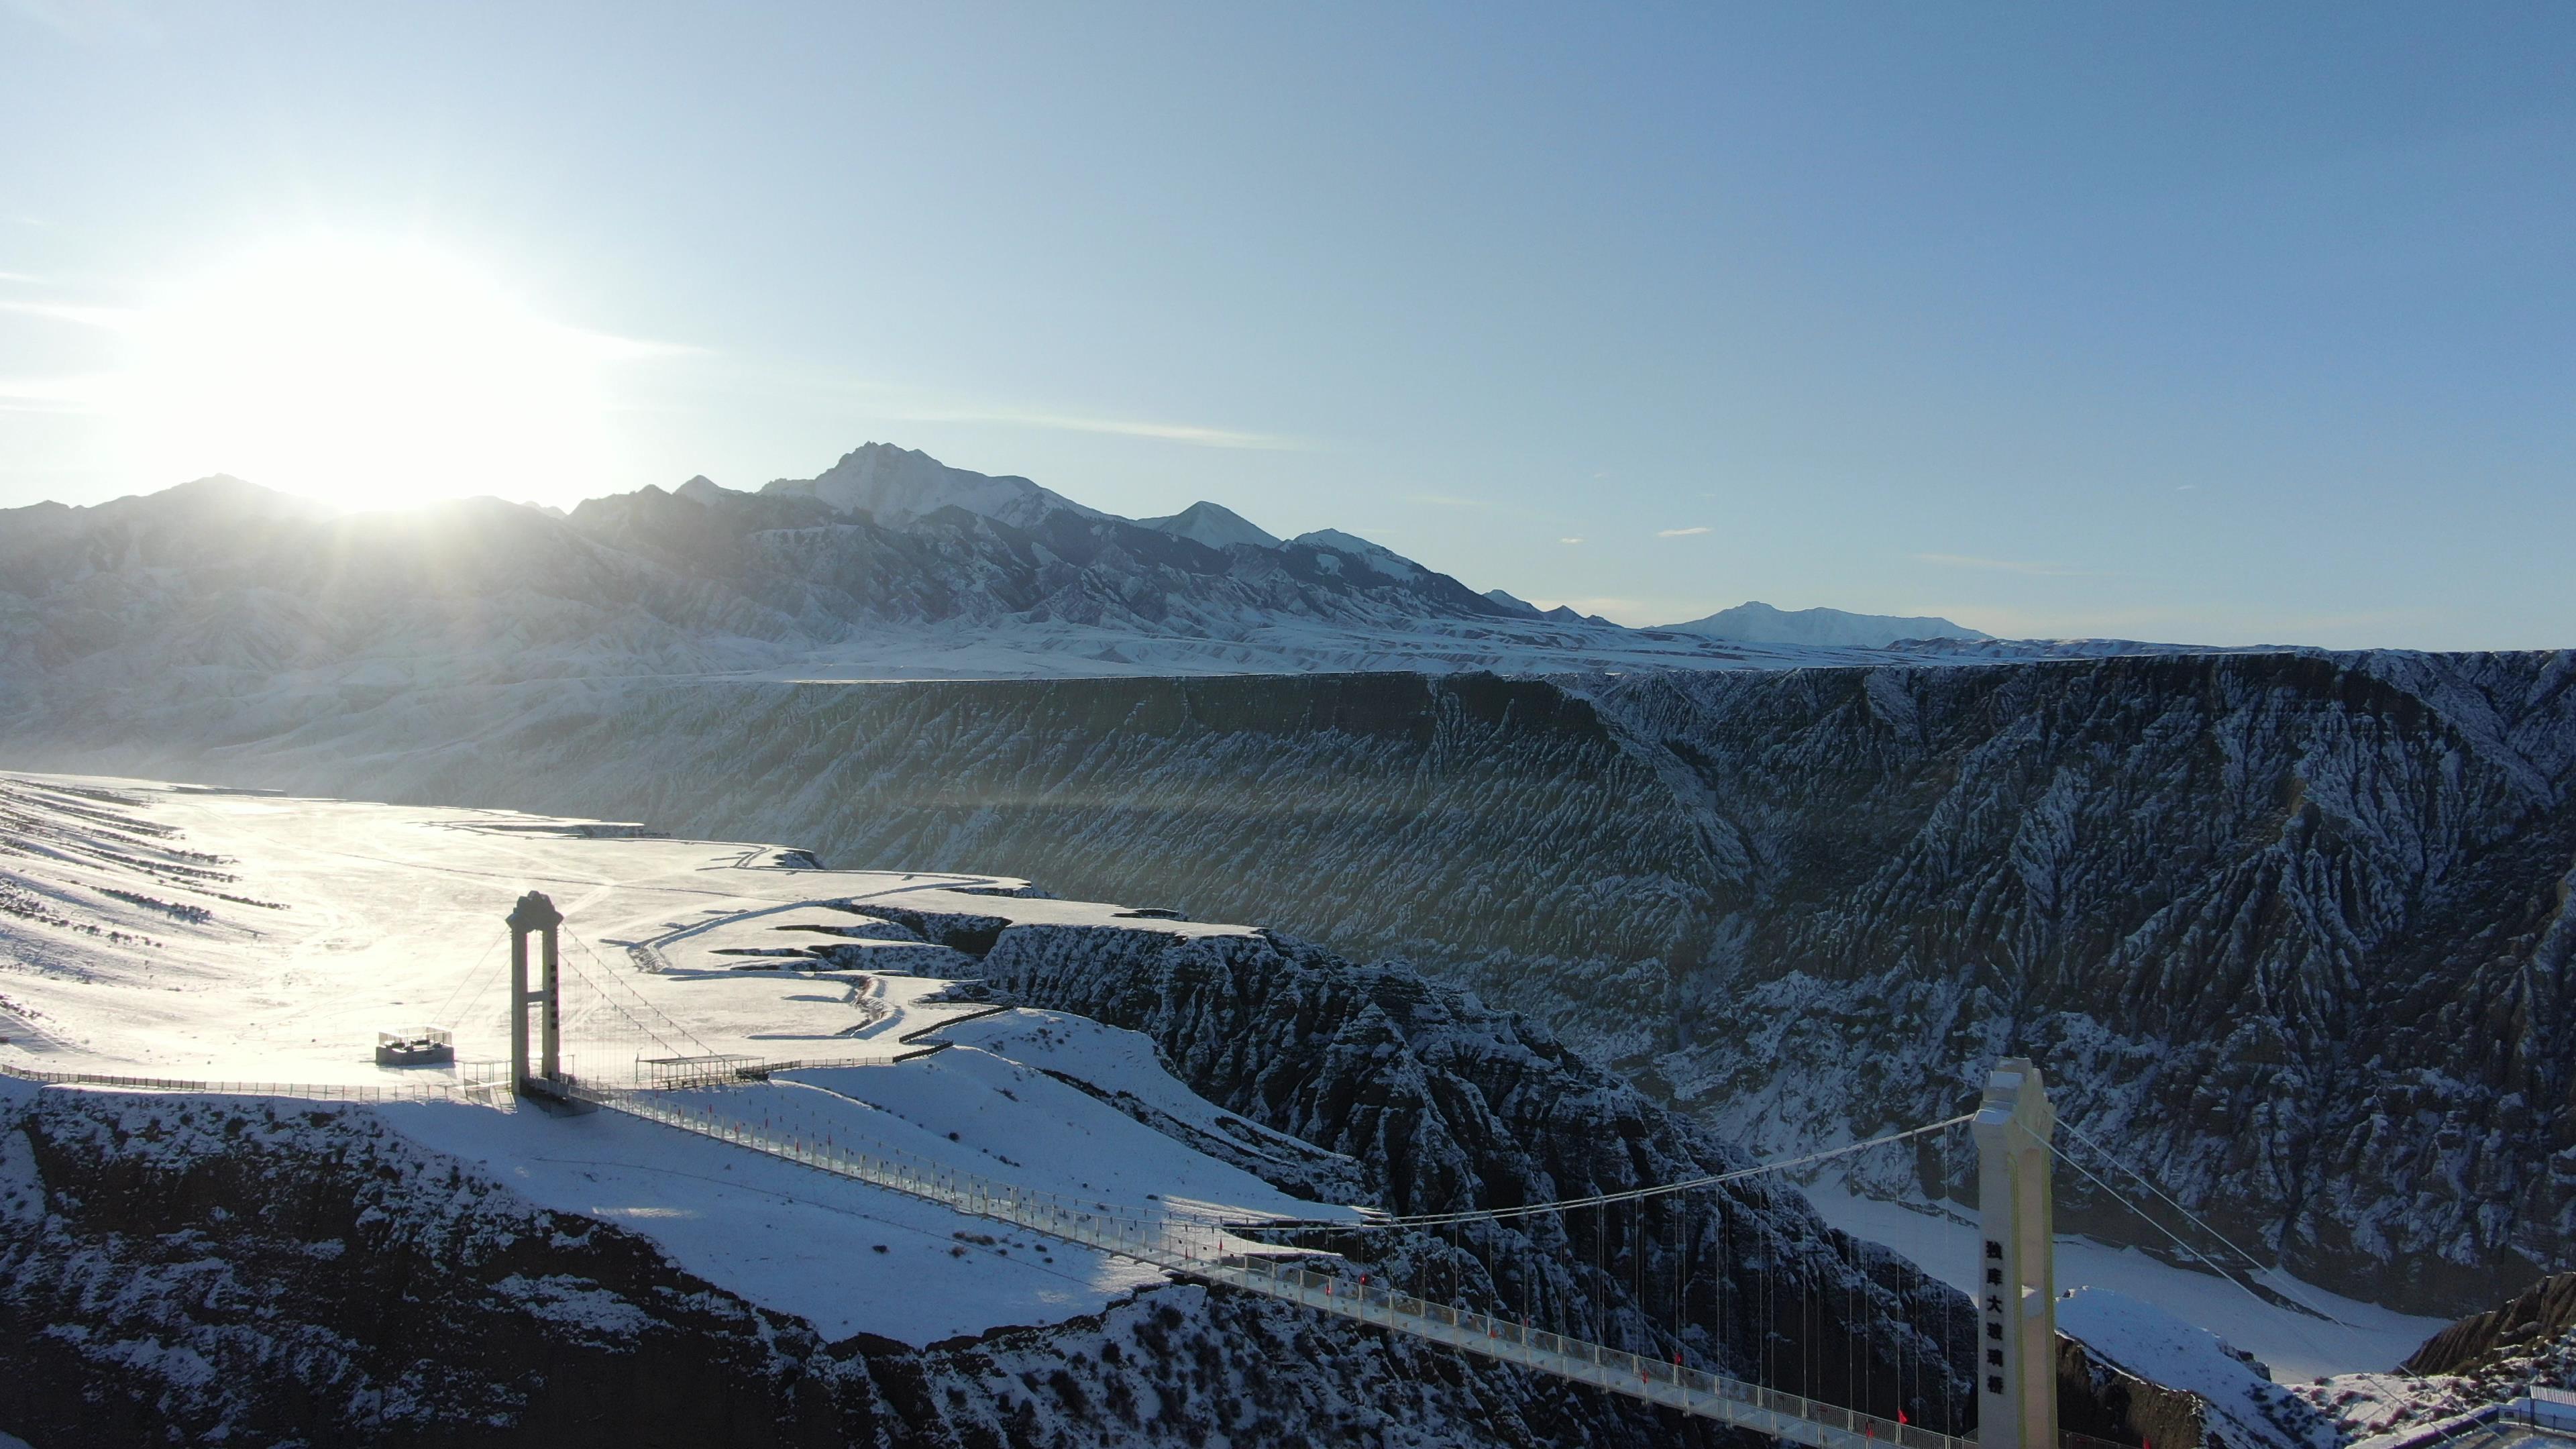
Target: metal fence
(472,1079)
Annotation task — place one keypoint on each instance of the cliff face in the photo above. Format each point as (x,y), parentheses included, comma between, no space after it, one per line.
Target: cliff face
(2530,1338)
(1449,1105)
(2292,931)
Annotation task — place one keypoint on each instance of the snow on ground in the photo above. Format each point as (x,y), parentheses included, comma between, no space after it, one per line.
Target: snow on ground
(170,931)
(1122,1064)
(2359,1337)
(165,931)
(2162,1349)
(783,1236)
(971,1109)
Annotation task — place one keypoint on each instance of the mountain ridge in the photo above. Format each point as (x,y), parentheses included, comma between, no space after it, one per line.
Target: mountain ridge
(1756,622)
(887,565)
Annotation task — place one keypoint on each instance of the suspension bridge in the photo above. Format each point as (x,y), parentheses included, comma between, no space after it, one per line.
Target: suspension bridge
(2009,1370)
(1985,1377)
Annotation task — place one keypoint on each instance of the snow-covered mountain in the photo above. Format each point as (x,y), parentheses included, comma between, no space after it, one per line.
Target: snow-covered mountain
(888,564)
(1215,525)
(896,486)
(1759,623)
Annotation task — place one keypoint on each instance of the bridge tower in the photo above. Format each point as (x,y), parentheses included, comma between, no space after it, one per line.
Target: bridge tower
(535,913)
(2017,1287)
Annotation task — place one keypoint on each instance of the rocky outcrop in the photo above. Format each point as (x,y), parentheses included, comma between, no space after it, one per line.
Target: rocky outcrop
(2530,1336)
(1450,1106)
(2102,1401)
(190,1270)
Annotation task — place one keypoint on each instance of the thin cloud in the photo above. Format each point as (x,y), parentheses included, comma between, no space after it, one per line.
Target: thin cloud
(901,404)
(115,319)
(51,394)
(1448,500)
(2002,565)
(1683,532)
(1569,540)
(1196,436)
(85,19)
(611,347)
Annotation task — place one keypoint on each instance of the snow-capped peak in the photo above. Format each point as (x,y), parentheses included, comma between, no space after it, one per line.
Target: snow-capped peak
(897,485)
(1378,557)
(1213,524)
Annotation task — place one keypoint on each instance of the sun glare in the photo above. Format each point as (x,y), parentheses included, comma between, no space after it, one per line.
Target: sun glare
(370,376)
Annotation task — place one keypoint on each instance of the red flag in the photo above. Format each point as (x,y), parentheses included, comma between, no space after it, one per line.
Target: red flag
(1900,1417)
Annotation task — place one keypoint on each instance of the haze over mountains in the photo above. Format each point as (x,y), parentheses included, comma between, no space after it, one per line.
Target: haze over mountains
(887,565)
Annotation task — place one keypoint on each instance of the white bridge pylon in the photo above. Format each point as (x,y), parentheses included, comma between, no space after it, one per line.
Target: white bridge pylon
(2016,1347)
(2016,1132)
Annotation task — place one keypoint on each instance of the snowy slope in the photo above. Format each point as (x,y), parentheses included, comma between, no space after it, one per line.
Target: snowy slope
(899,485)
(780,1236)
(2359,1337)
(1215,525)
(168,932)
(2245,1407)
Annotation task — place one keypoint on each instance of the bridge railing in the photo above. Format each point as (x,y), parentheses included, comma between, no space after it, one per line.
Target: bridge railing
(1676,1385)
(1192,1246)
(472,1078)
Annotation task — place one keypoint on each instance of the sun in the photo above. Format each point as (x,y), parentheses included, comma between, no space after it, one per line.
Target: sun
(369,375)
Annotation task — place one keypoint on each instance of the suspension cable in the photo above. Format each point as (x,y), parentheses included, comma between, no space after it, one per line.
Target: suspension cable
(1696,1184)
(2418,1380)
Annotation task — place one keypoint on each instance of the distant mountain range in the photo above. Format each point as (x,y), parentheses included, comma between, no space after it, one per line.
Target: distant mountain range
(887,565)
(1759,623)
(898,486)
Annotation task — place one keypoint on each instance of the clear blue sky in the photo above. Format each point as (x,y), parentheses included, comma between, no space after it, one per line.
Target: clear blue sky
(2221,323)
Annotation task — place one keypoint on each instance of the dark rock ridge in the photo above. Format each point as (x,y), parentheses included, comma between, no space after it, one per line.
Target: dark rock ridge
(2103,1401)
(1448,1105)
(2293,930)
(2531,1336)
